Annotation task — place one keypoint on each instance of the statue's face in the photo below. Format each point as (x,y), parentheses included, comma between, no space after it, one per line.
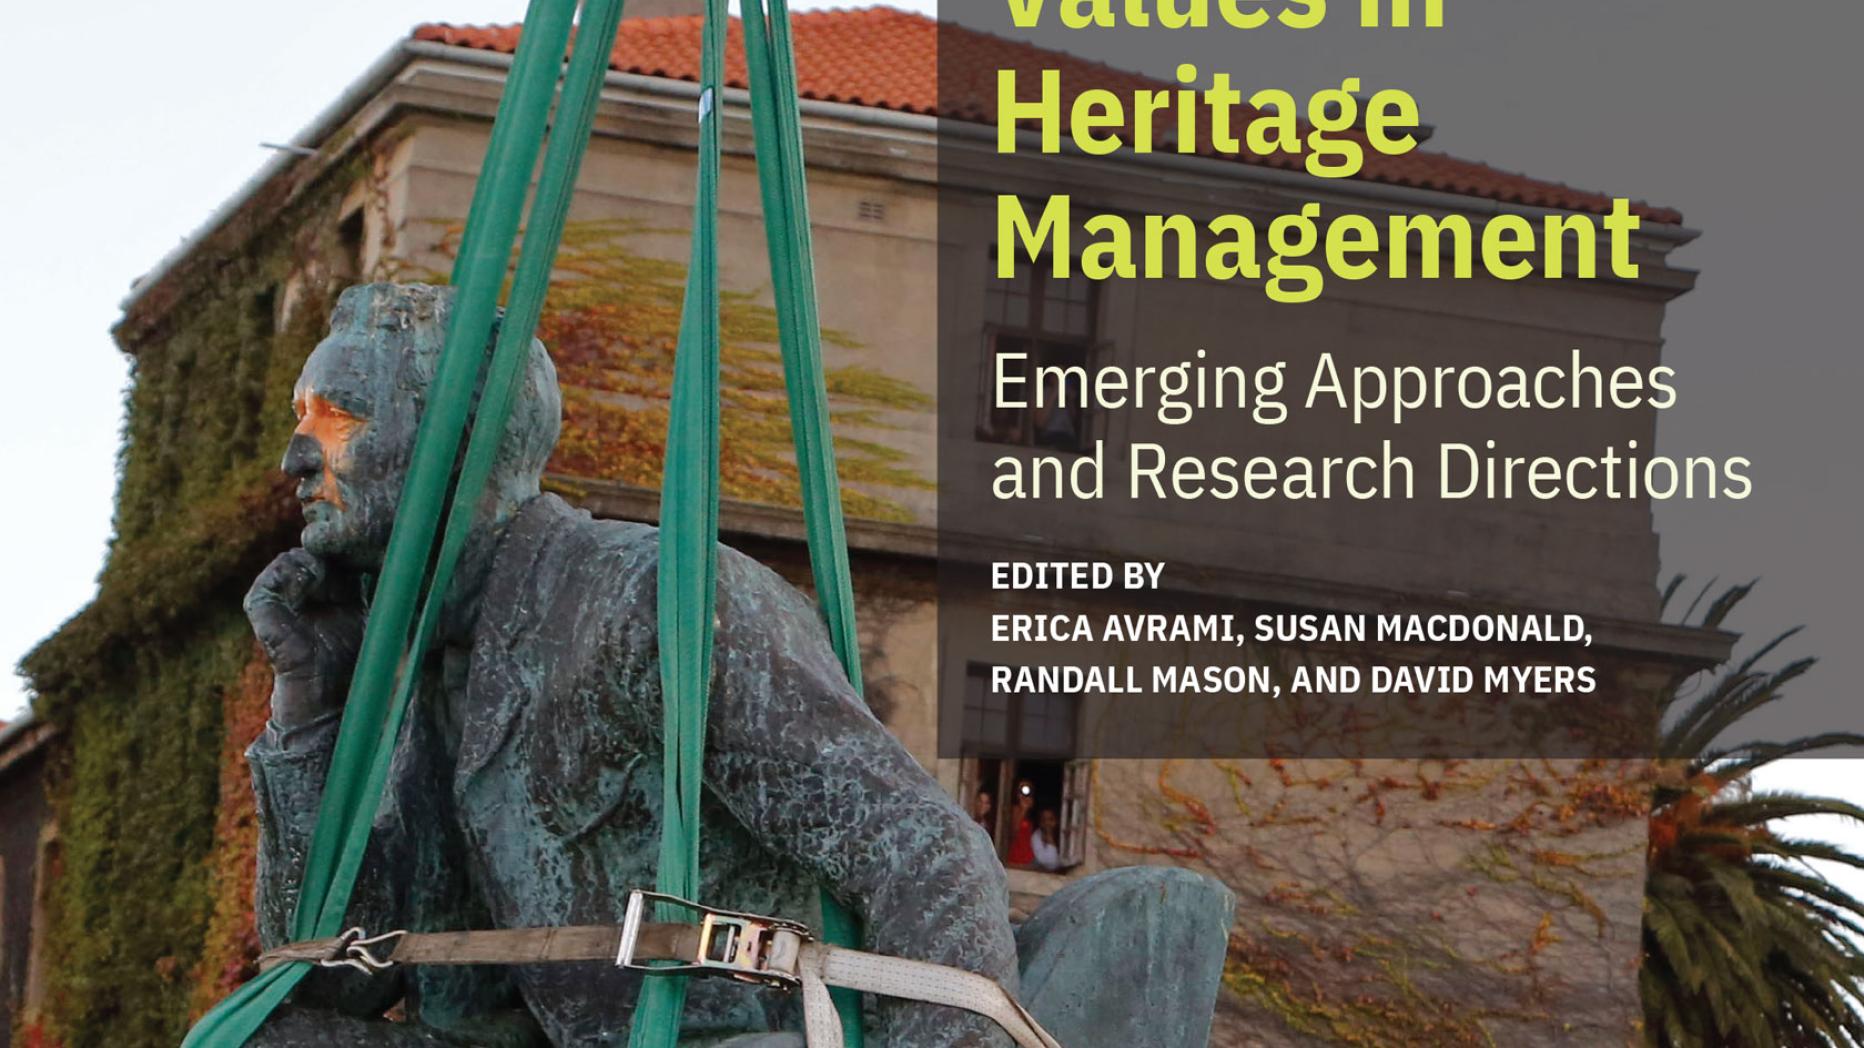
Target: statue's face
(350,451)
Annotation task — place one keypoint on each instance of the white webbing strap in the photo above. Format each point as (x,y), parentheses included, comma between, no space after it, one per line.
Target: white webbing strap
(824,966)
(744,946)
(821,1022)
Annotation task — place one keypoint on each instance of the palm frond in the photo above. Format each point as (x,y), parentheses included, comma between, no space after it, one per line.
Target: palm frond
(1746,942)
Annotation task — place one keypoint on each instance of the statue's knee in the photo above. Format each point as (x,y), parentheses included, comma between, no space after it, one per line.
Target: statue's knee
(1127,899)
(1135,952)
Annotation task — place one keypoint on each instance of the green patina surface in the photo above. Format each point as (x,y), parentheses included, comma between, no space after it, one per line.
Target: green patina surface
(612,323)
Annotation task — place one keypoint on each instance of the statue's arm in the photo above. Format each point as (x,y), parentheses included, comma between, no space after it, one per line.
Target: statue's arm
(288,770)
(413,874)
(801,761)
(309,624)
(472,1005)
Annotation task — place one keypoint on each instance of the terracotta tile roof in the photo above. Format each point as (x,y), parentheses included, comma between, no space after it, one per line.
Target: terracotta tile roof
(889,59)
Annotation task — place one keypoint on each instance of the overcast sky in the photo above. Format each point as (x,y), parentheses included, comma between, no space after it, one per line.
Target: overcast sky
(126,124)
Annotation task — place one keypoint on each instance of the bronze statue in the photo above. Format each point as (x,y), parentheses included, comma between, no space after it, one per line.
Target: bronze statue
(526,787)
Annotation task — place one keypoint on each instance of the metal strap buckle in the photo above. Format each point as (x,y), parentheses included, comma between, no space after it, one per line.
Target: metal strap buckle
(352,951)
(743,946)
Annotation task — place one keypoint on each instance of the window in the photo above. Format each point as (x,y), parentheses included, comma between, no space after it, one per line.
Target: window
(351,248)
(1052,322)
(1021,780)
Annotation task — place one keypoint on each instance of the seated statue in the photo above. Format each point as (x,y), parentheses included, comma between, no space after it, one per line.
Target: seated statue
(526,787)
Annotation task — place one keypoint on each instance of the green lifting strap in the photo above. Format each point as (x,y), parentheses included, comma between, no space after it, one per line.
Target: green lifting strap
(687,579)
(777,127)
(689,487)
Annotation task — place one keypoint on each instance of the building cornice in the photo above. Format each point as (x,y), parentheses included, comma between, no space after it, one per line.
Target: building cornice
(21,739)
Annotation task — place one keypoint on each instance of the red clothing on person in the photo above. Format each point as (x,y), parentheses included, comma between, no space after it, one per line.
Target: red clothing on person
(1022,850)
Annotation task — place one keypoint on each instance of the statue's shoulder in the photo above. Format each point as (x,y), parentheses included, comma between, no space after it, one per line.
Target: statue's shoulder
(580,593)
(547,522)
(552,543)
(553,551)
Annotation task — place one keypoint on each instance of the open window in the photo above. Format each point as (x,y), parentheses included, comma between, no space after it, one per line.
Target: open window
(1021,779)
(352,248)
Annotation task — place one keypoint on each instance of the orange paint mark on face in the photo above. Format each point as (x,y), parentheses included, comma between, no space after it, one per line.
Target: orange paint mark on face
(331,427)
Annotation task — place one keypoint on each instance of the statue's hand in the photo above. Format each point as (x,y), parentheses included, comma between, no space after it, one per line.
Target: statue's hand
(309,620)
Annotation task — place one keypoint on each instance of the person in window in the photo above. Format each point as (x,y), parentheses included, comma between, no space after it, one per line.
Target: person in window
(1045,842)
(1022,850)
(1061,429)
(983,810)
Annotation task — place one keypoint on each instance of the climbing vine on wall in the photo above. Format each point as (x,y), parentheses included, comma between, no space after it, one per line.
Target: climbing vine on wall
(1399,903)
(612,324)
(153,686)
(231,941)
(1388,902)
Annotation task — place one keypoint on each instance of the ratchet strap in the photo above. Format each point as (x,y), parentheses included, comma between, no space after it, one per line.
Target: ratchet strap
(764,950)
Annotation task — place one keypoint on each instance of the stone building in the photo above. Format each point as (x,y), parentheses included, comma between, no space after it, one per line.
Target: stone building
(1381,901)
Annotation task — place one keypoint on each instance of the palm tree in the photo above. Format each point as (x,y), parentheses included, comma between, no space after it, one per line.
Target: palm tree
(1745,942)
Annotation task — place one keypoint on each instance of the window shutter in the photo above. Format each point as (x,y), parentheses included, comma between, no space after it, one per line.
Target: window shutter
(1076,788)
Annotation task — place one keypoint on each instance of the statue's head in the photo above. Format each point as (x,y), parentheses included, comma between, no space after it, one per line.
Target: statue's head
(359,401)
